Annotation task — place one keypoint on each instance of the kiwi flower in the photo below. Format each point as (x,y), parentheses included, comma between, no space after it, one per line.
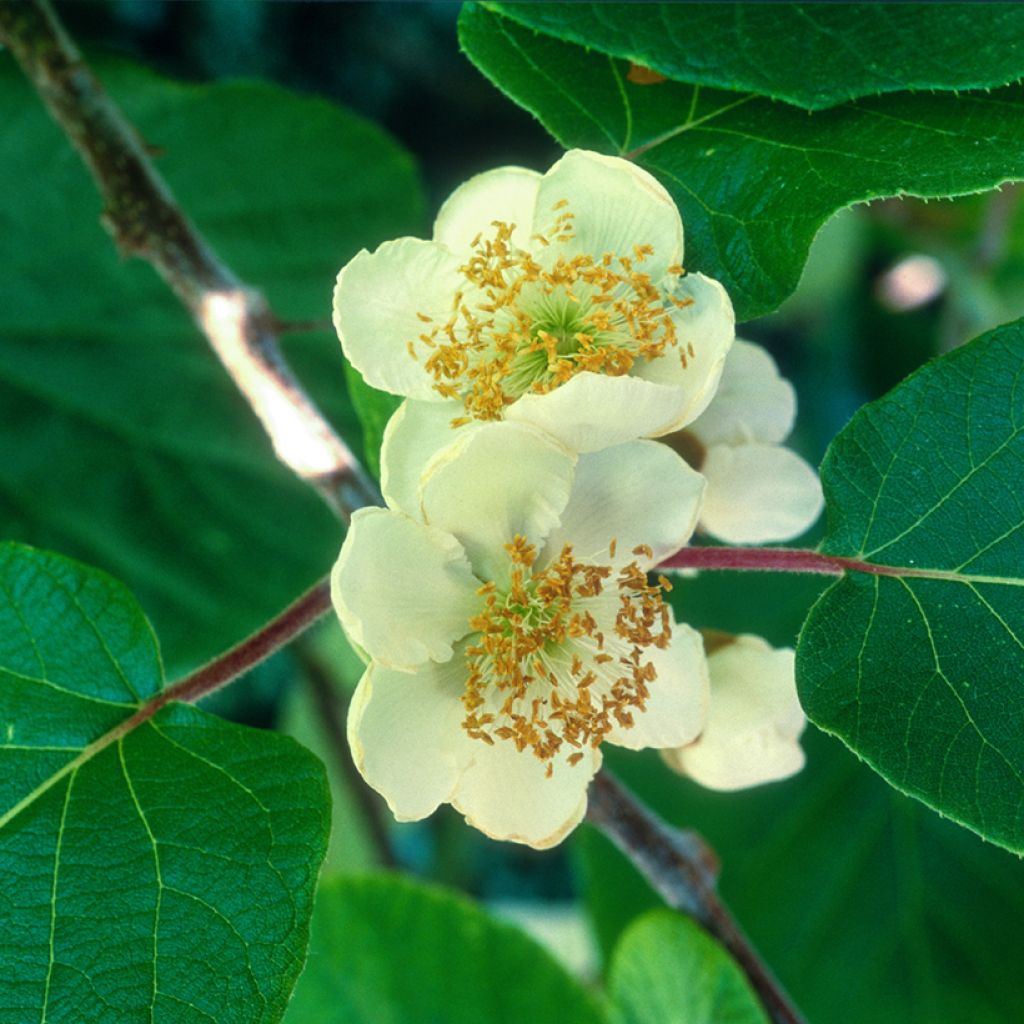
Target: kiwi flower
(754,723)
(758,490)
(504,604)
(558,300)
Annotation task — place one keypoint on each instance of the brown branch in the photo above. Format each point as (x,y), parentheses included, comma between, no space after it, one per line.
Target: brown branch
(332,711)
(144,220)
(682,869)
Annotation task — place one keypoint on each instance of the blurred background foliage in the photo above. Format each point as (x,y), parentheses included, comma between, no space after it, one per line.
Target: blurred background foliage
(840,881)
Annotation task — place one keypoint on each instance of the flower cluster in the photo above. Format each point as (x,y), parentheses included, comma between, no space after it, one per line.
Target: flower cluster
(507,599)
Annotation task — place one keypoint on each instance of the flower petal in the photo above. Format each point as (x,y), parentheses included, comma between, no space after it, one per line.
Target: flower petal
(406,736)
(508,194)
(677,708)
(758,493)
(593,411)
(616,206)
(754,722)
(415,433)
(377,300)
(506,794)
(752,403)
(636,493)
(494,483)
(705,330)
(403,591)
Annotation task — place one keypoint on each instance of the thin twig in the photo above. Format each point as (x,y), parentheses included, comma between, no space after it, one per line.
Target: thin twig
(144,220)
(226,667)
(332,710)
(682,869)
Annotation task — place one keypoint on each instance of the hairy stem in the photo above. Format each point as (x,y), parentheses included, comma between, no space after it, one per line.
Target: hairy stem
(144,220)
(682,869)
(226,667)
(761,559)
(804,560)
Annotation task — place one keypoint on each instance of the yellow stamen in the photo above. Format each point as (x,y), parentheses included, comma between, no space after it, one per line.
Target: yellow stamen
(533,327)
(540,672)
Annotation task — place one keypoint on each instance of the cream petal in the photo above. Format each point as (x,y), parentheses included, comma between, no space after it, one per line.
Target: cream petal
(415,433)
(593,411)
(616,206)
(758,493)
(705,330)
(637,493)
(508,194)
(376,301)
(406,736)
(677,708)
(754,722)
(494,483)
(505,793)
(752,403)
(403,591)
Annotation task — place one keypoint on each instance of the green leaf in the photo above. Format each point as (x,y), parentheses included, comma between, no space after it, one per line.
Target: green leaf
(667,970)
(918,670)
(754,179)
(392,951)
(152,869)
(833,868)
(125,443)
(813,55)
(374,409)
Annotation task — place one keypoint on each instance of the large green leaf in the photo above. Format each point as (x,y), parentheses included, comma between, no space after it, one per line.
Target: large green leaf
(666,970)
(920,670)
(159,873)
(124,442)
(832,867)
(813,55)
(393,951)
(754,179)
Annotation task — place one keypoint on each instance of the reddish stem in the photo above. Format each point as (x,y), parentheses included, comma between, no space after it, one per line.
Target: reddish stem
(228,666)
(779,560)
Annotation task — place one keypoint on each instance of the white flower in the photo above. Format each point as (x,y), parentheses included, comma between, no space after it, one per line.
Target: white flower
(505,606)
(754,719)
(557,300)
(757,490)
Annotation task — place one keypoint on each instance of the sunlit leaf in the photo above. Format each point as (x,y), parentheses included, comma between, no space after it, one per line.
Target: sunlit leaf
(919,669)
(153,867)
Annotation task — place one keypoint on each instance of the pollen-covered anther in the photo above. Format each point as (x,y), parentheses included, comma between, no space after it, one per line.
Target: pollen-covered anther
(557,660)
(521,326)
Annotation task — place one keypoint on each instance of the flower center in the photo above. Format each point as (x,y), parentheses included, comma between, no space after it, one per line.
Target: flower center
(523,325)
(558,654)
